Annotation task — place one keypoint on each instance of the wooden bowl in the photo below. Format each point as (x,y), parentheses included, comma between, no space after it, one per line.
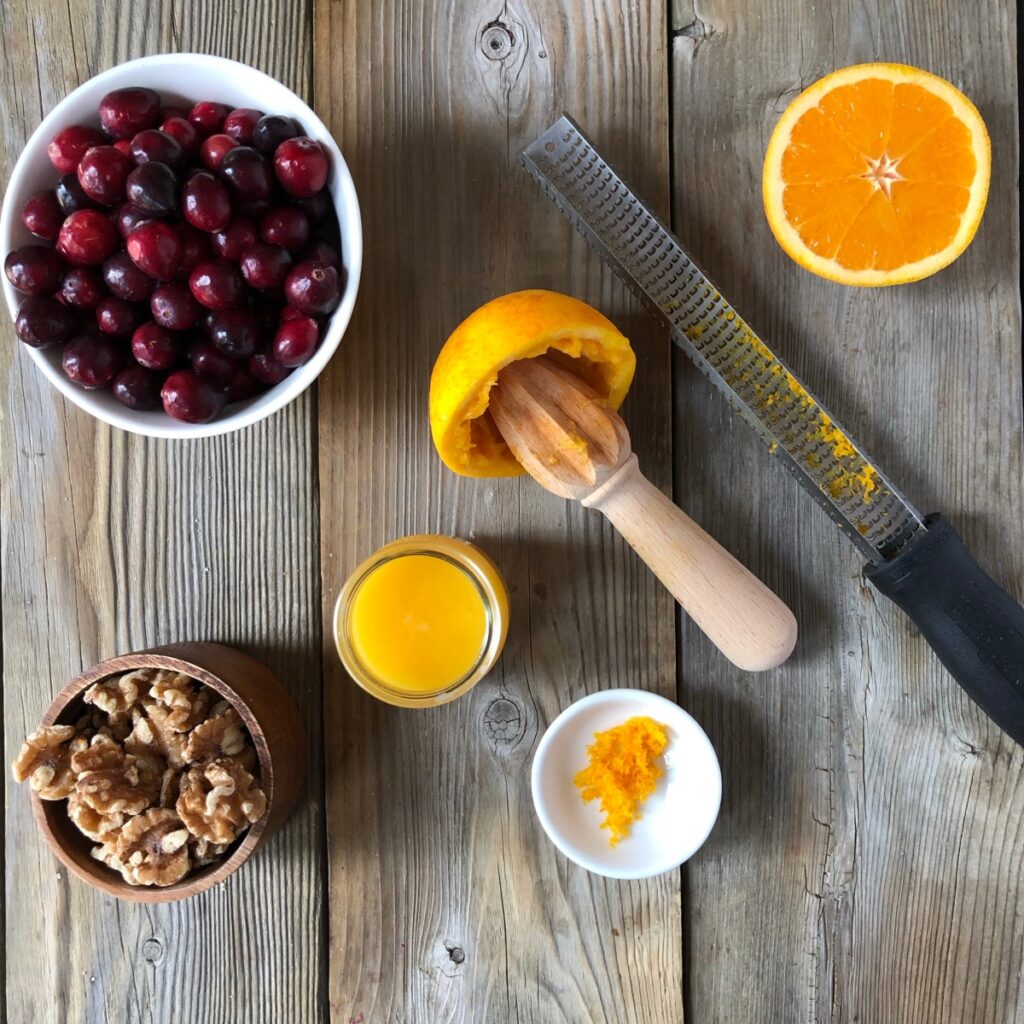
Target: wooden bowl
(266,709)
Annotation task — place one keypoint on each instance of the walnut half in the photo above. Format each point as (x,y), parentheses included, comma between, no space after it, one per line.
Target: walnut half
(152,848)
(219,799)
(186,700)
(221,734)
(112,782)
(45,760)
(101,828)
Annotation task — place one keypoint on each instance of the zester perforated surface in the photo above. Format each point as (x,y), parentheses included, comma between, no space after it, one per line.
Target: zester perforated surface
(755,382)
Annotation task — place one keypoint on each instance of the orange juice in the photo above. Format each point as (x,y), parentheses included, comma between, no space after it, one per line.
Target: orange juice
(422,620)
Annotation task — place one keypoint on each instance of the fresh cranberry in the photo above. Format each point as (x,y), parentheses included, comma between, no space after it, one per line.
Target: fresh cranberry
(264,367)
(124,147)
(87,237)
(253,210)
(285,226)
(184,133)
(43,321)
(205,202)
(34,269)
(154,144)
(42,214)
(301,166)
(82,288)
(125,112)
(290,313)
(92,360)
(156,248)
(296,341)
(208,117)
(236,332)
(265,266)
(125,280)
(156,347)
(316,207)
(211,364)
(186,396)
(313,288)
(137,388)
(153,188)
(71,196)
(321,252)
(173,306)
(217,284)
(247,173)
(127,218)
(212,151)
(102,173)
(69,146)
(233,240)
(117,317)
(239,124)
(273,129)
(195,248)
(242,385)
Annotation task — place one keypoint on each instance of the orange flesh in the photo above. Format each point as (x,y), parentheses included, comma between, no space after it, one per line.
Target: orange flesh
(878,175)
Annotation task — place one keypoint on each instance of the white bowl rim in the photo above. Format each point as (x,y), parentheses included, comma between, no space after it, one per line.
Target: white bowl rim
(296,382)
(656,702)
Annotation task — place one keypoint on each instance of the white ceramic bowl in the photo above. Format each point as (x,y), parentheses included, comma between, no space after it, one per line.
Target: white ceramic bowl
(677,817)
(184,78)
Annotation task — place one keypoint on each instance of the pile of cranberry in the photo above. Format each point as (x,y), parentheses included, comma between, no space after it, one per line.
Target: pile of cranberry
(193,263)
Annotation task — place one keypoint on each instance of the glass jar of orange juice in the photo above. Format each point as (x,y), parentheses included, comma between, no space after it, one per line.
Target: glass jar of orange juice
(422,620)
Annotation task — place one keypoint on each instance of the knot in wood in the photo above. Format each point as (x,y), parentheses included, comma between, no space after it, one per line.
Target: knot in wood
(497,40)
(503,721)
(152,951)
(457,954)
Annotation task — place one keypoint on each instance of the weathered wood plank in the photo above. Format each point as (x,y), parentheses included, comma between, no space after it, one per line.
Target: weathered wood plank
(112,543)
(447,902)
(867,866)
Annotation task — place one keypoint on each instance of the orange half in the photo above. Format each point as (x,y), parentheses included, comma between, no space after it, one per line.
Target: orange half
(877,174)
(520,325)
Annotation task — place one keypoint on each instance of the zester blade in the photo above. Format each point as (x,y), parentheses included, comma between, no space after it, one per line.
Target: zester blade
(756,383)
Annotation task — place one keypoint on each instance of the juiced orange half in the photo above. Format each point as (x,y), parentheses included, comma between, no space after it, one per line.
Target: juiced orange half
(520,325)
(877,174)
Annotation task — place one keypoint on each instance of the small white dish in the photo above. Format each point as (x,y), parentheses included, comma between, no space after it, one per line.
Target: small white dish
(677,817)
(184,78)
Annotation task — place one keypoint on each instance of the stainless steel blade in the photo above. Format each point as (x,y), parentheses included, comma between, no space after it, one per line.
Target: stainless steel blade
(758,385)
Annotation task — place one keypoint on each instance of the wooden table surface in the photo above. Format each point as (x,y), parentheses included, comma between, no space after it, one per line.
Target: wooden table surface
(867,864)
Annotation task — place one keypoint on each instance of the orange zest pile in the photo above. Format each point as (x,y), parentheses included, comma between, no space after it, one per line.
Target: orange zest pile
(877,174)
(623,771)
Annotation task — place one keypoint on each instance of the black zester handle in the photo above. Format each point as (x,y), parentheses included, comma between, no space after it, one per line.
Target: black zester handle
(972,624)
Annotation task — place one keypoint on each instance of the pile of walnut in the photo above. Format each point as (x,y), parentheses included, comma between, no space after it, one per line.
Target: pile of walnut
(157,772)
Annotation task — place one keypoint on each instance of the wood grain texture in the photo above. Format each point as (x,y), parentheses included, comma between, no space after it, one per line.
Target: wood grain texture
(867,865)
(447,901)
(112,543)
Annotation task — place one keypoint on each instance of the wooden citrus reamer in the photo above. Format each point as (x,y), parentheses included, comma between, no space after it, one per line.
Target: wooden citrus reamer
(574,445)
